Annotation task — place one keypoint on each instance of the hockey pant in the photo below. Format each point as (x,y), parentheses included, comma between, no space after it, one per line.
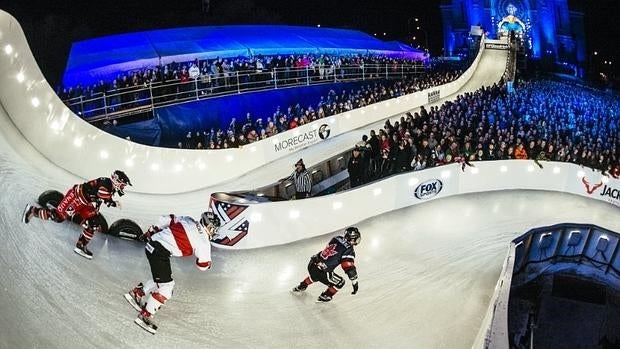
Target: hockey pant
(72,204)
(159,289)
(333,281)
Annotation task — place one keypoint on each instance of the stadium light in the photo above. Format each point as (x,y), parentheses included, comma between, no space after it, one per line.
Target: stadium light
(8,49)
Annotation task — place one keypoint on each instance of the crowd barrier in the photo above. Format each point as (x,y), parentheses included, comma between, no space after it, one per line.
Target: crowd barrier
(80,148)
(252,224)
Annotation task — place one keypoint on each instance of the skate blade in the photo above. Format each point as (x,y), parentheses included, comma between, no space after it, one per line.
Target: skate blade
(132,301)
(144,326)
(25,214)
(81,253)
(320,301)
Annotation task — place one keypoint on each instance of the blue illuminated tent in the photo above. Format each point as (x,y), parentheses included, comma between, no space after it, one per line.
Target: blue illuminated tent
(103,58)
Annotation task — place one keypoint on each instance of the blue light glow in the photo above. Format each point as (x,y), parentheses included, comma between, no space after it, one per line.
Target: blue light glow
(103,58)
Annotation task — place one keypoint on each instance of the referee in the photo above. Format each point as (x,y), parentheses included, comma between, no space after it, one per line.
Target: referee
(302,180)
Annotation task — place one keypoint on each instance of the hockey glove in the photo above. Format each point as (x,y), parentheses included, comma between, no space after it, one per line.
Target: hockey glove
(146,236)
(355,288)
(113,203)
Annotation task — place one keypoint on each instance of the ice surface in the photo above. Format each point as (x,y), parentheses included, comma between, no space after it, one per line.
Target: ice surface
(426,273)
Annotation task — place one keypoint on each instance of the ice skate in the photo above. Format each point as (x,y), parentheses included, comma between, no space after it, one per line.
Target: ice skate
(299,288)
(324,298)
(28,212)
(145,320)
(83,251)
(134,297)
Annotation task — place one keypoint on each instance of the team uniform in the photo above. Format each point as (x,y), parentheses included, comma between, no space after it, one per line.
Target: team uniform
(83,200)
(338,252)
(176,236)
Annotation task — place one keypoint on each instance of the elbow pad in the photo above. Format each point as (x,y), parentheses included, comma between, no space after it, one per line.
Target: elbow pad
(351,273)
(203,265)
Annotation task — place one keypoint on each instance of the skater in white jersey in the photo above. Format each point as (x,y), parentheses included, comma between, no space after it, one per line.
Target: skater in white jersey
(178,236)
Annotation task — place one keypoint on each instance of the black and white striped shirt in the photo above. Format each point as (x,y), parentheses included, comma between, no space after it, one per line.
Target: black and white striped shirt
(302,180)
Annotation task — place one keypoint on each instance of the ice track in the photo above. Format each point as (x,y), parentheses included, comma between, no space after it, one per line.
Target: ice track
(426,273)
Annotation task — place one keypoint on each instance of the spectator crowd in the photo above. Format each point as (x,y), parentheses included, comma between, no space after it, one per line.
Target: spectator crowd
(542,120)
(250,129)
(220,74)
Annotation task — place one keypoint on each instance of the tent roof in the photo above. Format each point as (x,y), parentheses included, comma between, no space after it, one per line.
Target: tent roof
(103,58)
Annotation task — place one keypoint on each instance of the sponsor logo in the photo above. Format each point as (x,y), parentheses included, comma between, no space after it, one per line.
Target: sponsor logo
(302,140)
(324,131)
(589,187)
(433,96)
(496,46)
(428,189)
(611,193)
(607,192)
(129,235)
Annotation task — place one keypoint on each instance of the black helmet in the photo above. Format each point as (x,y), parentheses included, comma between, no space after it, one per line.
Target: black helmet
(209,217)
(119,181)
(353,235)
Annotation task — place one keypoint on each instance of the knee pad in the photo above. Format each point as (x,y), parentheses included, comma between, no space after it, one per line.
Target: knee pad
(165,289)
(159,297)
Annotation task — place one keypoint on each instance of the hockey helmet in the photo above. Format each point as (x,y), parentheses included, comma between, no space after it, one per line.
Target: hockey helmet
(353,235)
(119,181)
(210,222)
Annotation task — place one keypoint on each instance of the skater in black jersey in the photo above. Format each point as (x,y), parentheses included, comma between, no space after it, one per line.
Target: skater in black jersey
(339,251)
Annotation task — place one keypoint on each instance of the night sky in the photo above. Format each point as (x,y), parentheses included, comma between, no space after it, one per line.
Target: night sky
(52,25)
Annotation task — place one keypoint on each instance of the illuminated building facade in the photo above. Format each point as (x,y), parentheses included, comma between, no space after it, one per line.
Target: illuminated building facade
(549,30)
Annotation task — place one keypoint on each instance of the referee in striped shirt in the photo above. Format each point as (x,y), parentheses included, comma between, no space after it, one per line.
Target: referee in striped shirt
(302,180)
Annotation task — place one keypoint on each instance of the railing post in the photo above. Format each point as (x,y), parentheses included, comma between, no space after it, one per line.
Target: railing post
(82,105)
(307,76)
(386,70)
(105,105)
(196,88)
(363,74)
(275,78)
(151,94)
(238,87)
(402,71)
(335,73)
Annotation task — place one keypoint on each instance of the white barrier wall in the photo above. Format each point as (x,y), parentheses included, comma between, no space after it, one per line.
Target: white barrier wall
(87,152)
(275,223)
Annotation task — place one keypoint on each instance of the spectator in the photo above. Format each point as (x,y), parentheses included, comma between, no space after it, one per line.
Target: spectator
(356,168)
(520,152)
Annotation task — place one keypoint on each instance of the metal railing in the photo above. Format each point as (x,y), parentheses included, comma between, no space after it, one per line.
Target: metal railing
(122,102)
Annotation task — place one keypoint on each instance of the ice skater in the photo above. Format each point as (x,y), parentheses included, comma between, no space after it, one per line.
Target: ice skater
(83,200)
(175,236)
(339,251)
